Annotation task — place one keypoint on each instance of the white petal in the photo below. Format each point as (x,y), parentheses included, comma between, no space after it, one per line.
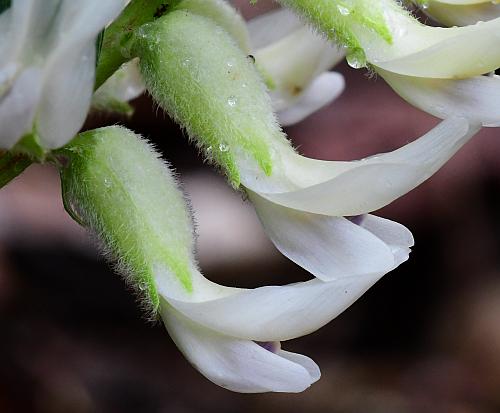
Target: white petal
(462,13)
(397,236)
(329,247)
(237,365)
(322,91)
(66,97)
(477,98)
(124,85)
(69,72)
(456,52)
(275,313)
(18,106)
(293,62)
(304,361)
(271,27)
(359,187)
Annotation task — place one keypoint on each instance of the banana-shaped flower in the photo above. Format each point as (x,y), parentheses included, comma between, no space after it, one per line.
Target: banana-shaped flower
(439,70)
(116,185)
(47,64)
(310,208)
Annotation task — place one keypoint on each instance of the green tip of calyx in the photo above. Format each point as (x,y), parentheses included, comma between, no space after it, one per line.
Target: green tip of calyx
(341,20)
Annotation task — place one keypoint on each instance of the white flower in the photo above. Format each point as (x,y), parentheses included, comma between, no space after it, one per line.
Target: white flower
(230,335)
(307,206)
(124,85)
(295,62)
(47,66)
(460,12)
(437,69)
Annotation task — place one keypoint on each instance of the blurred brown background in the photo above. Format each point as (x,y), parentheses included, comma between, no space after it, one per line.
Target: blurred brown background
(426,338)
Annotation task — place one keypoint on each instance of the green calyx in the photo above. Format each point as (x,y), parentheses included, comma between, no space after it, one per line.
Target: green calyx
(195,71)
(11,165)
(114,45)
(115,184)
(341,20)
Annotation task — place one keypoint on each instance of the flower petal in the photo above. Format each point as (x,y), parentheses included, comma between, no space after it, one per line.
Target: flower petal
(477,98)
(329,247)
(274,313)
(359,187)
(271,27)
(462,13)
(322,91)
(66,97)
(69,78)
(18,106)
(237,365)
(456,52)
(397,236)
(124,85)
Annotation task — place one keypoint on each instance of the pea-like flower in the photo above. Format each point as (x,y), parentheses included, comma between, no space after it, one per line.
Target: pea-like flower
(437,69)
(231,335)
(295,61)
(47,66)
(314,211)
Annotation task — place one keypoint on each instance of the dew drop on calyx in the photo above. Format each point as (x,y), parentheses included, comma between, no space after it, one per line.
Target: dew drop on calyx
(223,147)
(344,11)
(232,100)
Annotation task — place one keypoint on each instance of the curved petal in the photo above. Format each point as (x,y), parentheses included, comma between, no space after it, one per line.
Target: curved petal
(66,97)
(456,52)
(275,313)
(462,13)
(238,365)
(396,236)
(359,187)
(477,98)
(329,247)
(70,69)
(293,62)
(271,27)
(322,91)
(124,85)
(18,106)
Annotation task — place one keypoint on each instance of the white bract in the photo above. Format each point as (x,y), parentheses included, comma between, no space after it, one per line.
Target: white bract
(295,62)
(460,12)
(47,67)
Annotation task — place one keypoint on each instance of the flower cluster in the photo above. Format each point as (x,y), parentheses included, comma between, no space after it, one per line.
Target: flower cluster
(231,85)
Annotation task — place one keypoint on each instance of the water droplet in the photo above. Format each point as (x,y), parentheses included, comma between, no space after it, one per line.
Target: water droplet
(108,183)
(143,286)
(356,59)
(223,147)
(186,62)
(344,11)
(232,100)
